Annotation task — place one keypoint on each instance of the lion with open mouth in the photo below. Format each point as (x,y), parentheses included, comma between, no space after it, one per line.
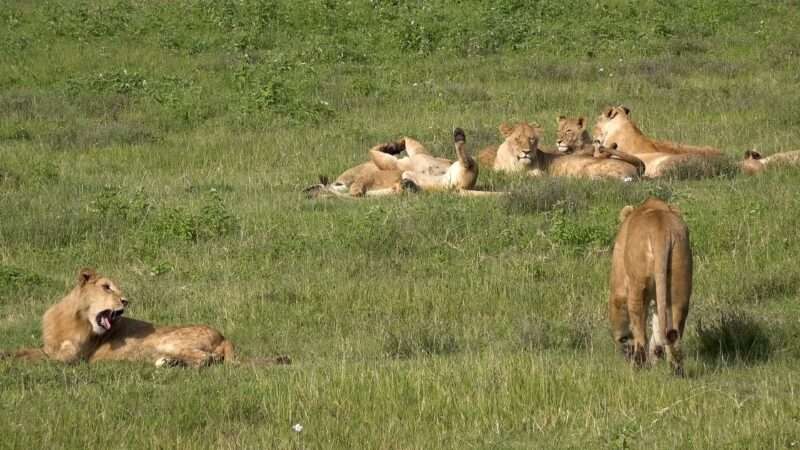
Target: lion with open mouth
(88,325)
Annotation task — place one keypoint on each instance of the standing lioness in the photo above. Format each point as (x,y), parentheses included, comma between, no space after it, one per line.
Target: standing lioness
(652,259)
(88,325)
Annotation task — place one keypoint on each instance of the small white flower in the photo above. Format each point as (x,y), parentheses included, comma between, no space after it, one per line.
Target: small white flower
(297,428)
(602,70)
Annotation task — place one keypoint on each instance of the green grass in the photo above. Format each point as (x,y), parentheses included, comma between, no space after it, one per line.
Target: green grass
(166,144)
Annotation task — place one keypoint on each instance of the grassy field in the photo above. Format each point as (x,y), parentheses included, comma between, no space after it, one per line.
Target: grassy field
(166,144)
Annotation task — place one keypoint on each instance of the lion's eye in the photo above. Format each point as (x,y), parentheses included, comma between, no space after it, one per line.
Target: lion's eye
(107,287)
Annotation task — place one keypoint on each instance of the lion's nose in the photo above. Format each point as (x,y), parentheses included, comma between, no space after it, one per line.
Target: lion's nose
(124,302)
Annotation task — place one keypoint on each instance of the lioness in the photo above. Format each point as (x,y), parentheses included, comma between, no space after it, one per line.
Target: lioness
(614,126)
(425,171)
(652,259)
(573,136)
(386,173)
(754,163)
(514,154)
(87,325)
(522,142)
(366,179)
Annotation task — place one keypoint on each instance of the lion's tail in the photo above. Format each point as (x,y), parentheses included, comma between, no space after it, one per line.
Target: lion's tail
(487,156)
(662,254)
(27,354)
(227,354)
(261,361)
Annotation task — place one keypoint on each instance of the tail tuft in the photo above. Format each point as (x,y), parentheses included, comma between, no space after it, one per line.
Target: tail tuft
(672,336)
(281,360)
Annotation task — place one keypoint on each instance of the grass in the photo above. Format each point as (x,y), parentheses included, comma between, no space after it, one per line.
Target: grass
(166,144)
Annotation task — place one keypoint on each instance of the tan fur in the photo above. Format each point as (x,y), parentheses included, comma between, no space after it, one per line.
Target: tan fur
(459,175)
(753,163)
(487,156)
(614,126)
(514,154)
(521,152)
(572,135)
(72,331)
(388,174)
(366,179)
(652,260)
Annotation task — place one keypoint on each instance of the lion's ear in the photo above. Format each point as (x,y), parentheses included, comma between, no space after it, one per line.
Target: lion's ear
(581,121)
(560,119)
(625,212)
(86,275)
(626,109)
(505,129)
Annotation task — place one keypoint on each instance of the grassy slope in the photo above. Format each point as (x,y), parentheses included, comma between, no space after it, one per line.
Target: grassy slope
(166,143)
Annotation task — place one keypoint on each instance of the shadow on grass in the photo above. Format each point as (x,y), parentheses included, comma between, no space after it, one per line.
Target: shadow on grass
(423,341)
(734,337)
(570,195)
(700,168)
(541,335)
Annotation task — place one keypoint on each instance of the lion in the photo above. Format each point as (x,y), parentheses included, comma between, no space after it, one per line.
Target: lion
(521,152)
(614,126)
(652,260)
(754,163)
(573,136)
(87,325)
(366,179)
(514,154)
(388,174)
(425,172)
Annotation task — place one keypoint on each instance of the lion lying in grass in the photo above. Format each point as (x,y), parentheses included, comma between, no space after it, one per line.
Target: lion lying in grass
(388,174)
(652,260)
(87,325)
(520,152)
(614,126)
(754,163)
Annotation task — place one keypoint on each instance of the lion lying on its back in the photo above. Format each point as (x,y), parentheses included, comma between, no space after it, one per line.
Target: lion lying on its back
(87,325)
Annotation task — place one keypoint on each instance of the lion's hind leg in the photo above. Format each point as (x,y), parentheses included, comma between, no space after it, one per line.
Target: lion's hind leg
(187,358)
(637,314)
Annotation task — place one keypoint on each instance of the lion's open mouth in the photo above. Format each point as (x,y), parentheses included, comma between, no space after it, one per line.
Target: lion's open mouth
(107,317)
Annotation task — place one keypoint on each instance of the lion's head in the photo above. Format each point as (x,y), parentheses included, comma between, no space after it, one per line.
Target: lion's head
(101,301)
(572,134)
(522,141)
(608,120)
(752,164)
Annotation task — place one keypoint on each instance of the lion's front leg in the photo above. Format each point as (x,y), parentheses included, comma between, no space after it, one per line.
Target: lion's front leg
(67,352)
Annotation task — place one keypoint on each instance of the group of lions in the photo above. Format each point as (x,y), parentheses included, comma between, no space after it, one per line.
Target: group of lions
(651,260)
(618,150)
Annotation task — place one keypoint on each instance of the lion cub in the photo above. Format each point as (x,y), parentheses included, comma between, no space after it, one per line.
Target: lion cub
(652,260)
(87,325)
